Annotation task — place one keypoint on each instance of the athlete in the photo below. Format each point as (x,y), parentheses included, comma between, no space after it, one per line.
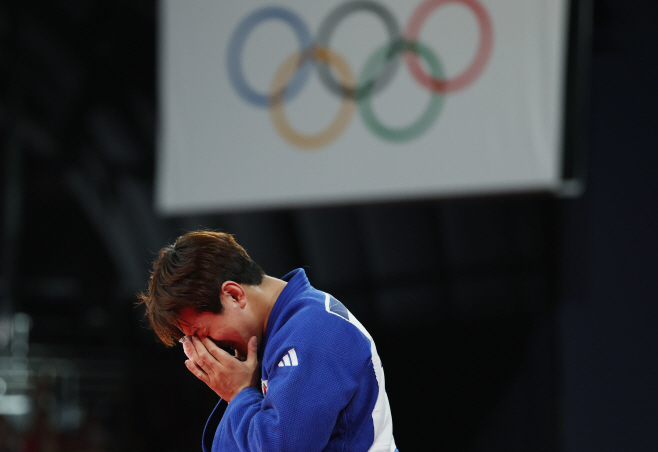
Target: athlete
(294,370)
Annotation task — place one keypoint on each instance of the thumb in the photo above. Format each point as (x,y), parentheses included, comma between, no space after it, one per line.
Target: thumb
(252,349)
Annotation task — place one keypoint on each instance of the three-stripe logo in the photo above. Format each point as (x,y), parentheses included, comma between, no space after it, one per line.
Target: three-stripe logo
(289,359)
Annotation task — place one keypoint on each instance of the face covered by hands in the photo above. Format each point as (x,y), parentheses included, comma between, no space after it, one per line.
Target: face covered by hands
(224,373)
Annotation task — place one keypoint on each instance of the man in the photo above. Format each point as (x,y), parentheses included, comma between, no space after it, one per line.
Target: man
(321,382)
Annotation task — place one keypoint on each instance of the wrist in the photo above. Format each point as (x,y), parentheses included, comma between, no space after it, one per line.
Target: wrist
(241,392)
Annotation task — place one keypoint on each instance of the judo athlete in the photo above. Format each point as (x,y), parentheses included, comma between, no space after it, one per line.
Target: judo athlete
(294,369)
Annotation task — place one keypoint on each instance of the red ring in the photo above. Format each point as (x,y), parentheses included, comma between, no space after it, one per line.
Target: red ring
(470,73)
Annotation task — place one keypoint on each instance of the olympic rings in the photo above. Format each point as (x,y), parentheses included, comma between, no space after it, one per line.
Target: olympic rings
(234,56)
(342,120)
(324,34)
(481,58)
(378,71)
(433,108)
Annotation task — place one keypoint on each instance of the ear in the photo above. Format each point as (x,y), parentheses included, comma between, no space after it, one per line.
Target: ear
(233,292)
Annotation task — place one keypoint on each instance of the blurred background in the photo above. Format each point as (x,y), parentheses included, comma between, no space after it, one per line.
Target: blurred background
(516,323)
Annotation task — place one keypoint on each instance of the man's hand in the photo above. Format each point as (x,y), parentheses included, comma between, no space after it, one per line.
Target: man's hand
(223,373)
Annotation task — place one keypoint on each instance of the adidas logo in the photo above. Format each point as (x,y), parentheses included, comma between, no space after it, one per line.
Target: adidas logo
(289,359)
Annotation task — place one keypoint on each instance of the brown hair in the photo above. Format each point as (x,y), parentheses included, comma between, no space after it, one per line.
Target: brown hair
(190,274)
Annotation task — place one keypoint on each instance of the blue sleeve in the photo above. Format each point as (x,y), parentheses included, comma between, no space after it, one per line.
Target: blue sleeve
(306,399)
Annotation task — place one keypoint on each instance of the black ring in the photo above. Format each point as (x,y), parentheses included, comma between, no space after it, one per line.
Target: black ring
(324,34)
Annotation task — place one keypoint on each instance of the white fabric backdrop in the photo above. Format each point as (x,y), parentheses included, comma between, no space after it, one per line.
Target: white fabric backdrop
(499,133)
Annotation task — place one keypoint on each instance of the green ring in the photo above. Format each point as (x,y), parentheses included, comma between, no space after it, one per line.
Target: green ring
(374,65)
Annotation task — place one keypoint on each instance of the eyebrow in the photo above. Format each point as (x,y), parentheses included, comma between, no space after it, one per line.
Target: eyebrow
(181,321)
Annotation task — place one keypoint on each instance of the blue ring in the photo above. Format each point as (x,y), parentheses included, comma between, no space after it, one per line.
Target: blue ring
(234,55)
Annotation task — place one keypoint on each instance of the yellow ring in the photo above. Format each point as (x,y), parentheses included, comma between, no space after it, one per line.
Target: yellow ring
(345,112)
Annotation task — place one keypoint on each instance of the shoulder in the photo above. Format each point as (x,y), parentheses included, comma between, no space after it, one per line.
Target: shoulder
(317,320)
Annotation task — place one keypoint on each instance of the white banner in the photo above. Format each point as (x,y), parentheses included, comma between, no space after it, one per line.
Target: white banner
(305,103)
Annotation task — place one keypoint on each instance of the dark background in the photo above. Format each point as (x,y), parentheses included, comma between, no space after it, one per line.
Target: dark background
(519,323)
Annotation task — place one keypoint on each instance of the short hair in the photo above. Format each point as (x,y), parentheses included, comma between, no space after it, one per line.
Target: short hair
(190,274)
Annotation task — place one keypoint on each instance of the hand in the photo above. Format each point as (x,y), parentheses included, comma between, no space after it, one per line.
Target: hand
(223,373)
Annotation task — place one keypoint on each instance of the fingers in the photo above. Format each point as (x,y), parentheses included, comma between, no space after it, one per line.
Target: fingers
(206,359)
(190,349)
(195,354)
(200,374)
(187,346)
(252,350)
(212,348)
(221,371)
(252,361)
(200,360)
